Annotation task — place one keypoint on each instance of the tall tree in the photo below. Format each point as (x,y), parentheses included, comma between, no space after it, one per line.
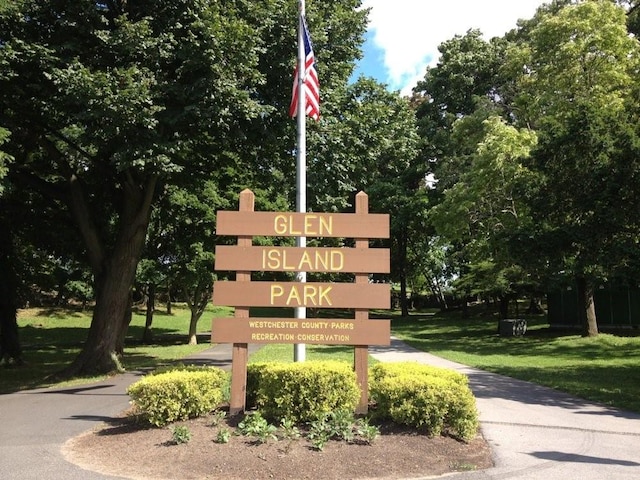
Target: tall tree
(106,101)
(370,142)
(487,206)
(469,84)
(577,89)
(10,349)
(109,102)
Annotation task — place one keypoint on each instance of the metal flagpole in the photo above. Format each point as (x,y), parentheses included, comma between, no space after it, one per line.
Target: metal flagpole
(299,350)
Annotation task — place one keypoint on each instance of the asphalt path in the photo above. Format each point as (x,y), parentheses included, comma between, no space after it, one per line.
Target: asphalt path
(536,433)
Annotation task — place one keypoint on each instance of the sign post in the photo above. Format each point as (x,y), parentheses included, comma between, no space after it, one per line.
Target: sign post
(240,351)
(360,295)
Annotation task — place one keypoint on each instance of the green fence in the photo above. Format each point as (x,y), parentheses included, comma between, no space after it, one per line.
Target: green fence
(616,307)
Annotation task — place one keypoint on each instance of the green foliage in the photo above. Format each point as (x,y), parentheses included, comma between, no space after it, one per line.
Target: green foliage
(319,432)
(301,391)
(340,425)
(178,394)
(223,435)
(367,432)
(4,157)
(255,425)
(217,417)
(288,429)
(413,369)
(180,434)
(433,400)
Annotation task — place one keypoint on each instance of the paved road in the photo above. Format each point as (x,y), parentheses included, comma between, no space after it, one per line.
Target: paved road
(536,433)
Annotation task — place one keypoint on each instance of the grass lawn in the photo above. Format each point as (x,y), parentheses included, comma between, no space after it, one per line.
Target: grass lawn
(52,338)
(284,353)
(605,369)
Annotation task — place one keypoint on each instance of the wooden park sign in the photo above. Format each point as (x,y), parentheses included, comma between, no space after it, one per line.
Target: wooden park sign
(243,293)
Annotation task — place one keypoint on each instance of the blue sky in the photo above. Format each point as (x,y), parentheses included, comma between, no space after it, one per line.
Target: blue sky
(404,35)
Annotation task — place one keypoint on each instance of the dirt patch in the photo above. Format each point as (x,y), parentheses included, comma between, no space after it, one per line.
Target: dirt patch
(125,449)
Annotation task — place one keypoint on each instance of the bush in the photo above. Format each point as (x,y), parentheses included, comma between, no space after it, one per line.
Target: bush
(301,391)
(178,394)
(398,369)
(424,397)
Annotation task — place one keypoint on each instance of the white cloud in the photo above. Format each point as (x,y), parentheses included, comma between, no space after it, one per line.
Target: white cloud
(409,31)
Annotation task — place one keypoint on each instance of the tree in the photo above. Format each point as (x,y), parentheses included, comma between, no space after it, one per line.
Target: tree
(10,349)
(369,142)
(464,106)
(105,102)
(486,207)
(109,102)
(577,89)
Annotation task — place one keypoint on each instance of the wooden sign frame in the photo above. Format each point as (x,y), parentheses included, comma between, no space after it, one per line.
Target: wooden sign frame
(359,295)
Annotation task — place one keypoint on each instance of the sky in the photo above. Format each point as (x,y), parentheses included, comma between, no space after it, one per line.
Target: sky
(404,35)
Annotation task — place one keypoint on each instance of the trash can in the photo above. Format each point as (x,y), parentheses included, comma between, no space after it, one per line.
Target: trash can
(512,327)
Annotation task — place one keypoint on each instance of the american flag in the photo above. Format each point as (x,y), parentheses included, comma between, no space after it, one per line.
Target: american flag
(310,81)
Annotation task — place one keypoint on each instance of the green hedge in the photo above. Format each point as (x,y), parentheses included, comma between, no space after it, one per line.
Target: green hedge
(424,397)
(301,391)
(399,369)
(178,394)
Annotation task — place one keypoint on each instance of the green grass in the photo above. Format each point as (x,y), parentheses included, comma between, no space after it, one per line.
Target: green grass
(52,338)
(604,369)
(284,353)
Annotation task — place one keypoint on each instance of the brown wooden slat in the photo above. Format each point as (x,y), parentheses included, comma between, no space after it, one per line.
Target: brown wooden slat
(295,259)
(321,331)
(286,224)
(294,294)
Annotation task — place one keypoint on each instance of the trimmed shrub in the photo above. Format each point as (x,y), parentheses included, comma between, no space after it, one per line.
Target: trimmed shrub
(398,369)
(301,391)
(178,394)
(424,397)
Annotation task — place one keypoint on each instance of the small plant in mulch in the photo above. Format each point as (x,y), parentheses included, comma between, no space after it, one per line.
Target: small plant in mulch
(341,425)
(217,417)
(180,434)
(223,435)
(289,430)
(255,425)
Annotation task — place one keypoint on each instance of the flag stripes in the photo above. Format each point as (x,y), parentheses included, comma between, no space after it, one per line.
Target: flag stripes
(310,82)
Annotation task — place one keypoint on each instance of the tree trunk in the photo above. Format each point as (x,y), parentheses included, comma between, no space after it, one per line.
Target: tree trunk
(114,273)
(147,336)
(193,328)
(436,290)
(404,300)
(503,303)
(169,312)
(587,307)
(197,305)
(10,350)
(126,321)
(402,271)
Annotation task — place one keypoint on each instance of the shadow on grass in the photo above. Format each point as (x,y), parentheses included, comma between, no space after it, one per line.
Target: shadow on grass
(479,336)
(47,355)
